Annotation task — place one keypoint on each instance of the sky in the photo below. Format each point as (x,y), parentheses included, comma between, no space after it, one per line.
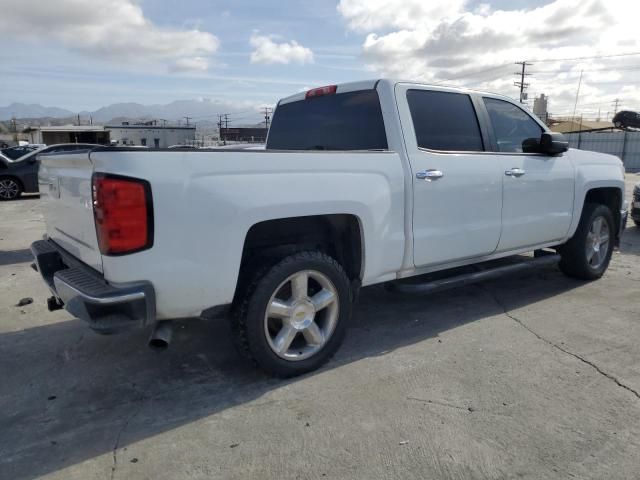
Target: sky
(85,54)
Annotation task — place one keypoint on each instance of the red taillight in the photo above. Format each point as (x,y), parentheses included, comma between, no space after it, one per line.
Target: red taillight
(318,92)
(123,214)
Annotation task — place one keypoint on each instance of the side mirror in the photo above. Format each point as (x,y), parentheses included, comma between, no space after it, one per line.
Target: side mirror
(553,143)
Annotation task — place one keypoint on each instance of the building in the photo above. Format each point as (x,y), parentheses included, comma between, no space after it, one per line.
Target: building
(577,124)
(541,107)
(244,134)
(71,134)
(150,134)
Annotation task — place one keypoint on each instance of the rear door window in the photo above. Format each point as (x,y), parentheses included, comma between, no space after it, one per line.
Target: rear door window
(444,121)
(344,121)
(514,129)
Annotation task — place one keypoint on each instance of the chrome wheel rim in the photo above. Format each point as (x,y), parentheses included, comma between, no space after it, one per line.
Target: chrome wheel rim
(301,315)
(597,242)
(8,189)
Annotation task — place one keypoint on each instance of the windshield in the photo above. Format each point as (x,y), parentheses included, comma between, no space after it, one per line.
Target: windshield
(346,121)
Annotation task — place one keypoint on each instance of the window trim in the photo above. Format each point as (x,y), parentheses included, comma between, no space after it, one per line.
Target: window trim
(491,132)
(484,138)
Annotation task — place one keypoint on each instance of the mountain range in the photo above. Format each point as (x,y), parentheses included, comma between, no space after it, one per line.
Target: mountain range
(206,110)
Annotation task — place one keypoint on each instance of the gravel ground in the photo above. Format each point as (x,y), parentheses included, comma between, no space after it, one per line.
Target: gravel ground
(531,376)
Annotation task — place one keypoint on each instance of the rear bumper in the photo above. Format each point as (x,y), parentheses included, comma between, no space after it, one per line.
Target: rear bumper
(87,295)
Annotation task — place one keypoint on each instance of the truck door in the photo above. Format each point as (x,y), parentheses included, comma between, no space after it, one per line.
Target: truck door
(457,183)
(538,190)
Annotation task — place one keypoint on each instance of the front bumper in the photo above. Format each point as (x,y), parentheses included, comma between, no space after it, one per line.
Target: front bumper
(87,295)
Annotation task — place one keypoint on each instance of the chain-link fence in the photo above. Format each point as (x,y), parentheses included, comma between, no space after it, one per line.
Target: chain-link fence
(624,145)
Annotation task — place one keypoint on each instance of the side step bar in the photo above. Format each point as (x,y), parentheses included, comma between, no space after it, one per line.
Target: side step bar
(473,277)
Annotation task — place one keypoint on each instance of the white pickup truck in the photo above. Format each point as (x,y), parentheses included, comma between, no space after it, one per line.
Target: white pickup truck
(359,184)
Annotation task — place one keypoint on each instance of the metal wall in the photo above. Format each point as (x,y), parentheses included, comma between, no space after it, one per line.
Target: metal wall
(624,145)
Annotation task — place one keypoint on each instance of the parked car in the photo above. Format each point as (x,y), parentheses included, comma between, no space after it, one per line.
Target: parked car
(635,205)
(626,119)
(21,176)
(14,153)
(361,183)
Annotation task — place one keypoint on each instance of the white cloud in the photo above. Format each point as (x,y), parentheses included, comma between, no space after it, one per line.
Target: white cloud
(193,64)
(267,51)
(108,29)
(436,41)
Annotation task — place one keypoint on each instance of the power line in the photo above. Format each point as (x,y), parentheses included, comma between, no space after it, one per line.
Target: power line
(585,58)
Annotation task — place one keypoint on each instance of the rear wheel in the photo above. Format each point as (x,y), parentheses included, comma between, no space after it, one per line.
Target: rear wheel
(588,253)
(10,188)
(293,316)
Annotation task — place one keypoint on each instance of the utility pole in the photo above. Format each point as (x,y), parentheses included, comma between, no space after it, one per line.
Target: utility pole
(521,84)
(575,105)
(78,119)
(267,116)
(187,118)
(14,129)
(615,104)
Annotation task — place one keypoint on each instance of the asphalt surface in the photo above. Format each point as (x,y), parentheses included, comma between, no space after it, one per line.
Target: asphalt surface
(531,376)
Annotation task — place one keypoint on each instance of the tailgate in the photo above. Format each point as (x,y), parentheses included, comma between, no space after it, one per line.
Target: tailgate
(65,187)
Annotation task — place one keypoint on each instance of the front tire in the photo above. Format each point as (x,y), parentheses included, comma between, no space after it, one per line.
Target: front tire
(10,188)
(293,317)
(588,253)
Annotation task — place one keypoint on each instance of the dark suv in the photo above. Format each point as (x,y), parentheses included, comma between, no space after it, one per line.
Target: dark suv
(635,205)
(21,176)
(626,119)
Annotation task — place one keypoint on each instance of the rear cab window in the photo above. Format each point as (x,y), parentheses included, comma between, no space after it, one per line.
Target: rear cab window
(444,121)
(342,121)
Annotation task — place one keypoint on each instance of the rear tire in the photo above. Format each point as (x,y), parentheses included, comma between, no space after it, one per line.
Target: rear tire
(10,188)
(293,317)
(588,253)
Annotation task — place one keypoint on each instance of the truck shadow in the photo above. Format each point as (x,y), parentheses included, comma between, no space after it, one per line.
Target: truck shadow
(68,395)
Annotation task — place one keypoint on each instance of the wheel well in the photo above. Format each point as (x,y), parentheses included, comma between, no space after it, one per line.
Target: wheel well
(337,235)
(609,196)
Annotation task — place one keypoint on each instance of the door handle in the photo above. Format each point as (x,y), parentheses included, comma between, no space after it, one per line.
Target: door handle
(515,172)
(429,175)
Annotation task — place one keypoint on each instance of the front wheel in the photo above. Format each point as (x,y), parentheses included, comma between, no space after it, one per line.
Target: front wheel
(293,317)
(10,189)
(588,253)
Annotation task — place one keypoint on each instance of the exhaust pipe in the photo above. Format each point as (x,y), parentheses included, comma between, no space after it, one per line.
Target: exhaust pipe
(161,335)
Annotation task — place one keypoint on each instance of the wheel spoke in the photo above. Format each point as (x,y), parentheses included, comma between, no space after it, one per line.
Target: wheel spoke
(597,258)
(323,299)
(299,286)
(604,238)
(284,338)
(279,309)
(590,254)
(597,225)
(313,335)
